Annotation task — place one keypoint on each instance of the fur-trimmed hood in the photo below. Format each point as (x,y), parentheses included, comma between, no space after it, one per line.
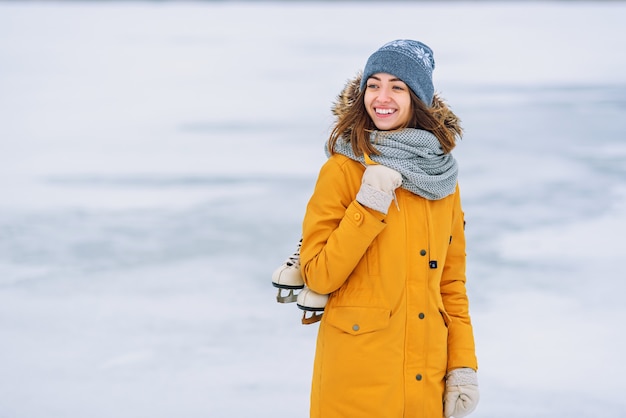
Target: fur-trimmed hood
(348,95)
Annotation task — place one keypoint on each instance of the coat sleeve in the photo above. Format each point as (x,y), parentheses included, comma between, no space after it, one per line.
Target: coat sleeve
(461,348)
(336,230)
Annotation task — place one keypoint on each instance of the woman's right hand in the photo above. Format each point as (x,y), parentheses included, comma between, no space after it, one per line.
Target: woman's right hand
(378,187)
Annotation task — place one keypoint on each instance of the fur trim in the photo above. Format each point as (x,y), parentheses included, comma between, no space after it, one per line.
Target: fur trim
(442,112)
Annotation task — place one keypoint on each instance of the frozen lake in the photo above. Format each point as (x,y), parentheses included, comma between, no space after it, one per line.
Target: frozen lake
(156,159)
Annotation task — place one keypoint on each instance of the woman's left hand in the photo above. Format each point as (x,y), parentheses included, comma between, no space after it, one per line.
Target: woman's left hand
(461,395)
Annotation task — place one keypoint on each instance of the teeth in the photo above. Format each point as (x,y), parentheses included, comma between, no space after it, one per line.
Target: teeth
(384,111)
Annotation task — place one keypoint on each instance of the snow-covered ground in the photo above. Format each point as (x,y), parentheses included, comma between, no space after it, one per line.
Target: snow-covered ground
(156,158)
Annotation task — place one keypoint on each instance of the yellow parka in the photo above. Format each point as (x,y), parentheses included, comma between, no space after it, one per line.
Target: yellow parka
(397,317)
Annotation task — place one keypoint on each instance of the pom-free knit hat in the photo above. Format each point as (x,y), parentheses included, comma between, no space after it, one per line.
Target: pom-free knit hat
(410,61)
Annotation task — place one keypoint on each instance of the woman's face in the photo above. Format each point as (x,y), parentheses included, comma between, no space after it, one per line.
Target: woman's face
(387,101)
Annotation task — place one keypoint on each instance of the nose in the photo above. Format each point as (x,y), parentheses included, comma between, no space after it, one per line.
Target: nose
(384,94)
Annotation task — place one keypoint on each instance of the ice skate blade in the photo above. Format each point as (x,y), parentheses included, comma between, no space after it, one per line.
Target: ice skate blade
(290,296)
(315,316)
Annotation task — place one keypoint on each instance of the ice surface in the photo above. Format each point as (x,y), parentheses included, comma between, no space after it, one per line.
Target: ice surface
(156,159)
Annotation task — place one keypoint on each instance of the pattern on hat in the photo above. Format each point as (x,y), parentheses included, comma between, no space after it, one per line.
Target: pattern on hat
(414,50)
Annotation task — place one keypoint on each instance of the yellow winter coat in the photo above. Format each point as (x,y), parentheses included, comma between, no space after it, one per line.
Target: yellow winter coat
(397,318)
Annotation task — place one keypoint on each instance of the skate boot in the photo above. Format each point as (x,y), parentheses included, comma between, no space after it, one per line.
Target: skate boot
(287,278)
(313,303)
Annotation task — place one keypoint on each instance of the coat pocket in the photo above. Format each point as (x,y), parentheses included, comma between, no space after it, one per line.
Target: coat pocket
(358,320)
(445,316)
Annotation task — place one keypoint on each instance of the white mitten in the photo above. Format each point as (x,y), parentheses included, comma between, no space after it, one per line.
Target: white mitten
(378,187)
(461,395)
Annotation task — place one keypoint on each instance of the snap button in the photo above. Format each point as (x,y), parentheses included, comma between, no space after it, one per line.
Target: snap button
(355,327)
(418,377)
(357,216)
(433,264)
(421,315)
(423,252)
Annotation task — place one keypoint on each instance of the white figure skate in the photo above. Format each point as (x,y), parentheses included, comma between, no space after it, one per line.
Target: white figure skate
(287,277)
(312,302)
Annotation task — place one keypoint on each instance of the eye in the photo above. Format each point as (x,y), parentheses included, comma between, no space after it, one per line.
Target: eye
(399,88)
(372,85)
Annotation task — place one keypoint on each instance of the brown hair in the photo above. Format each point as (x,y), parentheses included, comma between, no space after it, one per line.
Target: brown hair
(355,125)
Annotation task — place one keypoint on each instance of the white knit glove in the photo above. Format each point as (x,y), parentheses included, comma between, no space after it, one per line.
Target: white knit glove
(378,187)
(461,395)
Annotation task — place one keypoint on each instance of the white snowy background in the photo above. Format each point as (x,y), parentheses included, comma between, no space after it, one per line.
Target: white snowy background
(156,160)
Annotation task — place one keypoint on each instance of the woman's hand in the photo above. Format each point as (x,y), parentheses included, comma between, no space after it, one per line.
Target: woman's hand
(461,395)
(378,187)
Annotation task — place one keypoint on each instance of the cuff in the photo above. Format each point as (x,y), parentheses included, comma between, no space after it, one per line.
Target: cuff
(460,377)
(374,198)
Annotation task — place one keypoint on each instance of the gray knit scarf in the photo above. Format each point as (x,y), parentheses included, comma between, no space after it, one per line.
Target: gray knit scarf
(417,155)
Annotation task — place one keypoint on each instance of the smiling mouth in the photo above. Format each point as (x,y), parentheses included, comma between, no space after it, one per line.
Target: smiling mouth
(384,111)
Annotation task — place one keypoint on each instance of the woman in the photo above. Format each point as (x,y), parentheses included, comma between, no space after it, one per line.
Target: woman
(383,236)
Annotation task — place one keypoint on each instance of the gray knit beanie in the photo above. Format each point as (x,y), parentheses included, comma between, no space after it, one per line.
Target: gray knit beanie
(410,61)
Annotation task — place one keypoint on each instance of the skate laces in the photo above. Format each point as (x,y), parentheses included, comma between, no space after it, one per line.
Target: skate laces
(294,259)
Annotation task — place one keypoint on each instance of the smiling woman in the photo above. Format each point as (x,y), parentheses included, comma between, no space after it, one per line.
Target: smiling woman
(395,338)
(387,101)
